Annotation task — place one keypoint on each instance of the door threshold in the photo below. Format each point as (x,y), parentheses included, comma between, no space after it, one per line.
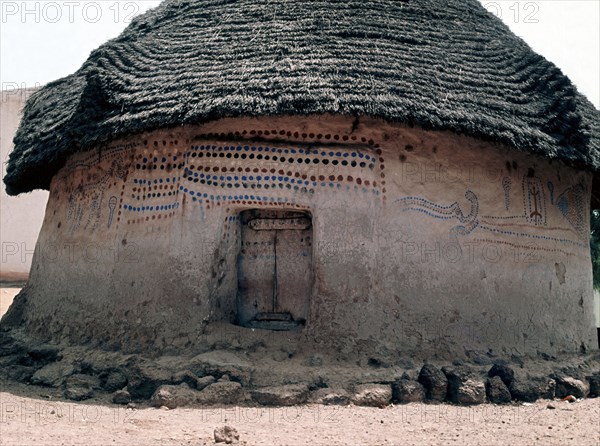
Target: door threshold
(275,325)
(272,316)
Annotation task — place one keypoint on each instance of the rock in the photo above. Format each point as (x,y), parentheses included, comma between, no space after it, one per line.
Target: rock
(80,387)
(53,374)
(224,378)
(19,373)
(318,383)
(496,390)
(407,391)
(547,387)
(226,434)
(471,392)
(78,393)
(226,392)
(9,345)
(377,363)
(288,395)
(201,383)
(594,381)
(570,399)
(374,395)
(434,381)
(115,380)
(121,397)
(185,377)
(81,380)
(566,385)
(480,359)
(44,353)
(280,356)
(550,406)
(173,396)
(532,389)
(504,372)
(144,379)
(219,362)
(329,397)
(463,387)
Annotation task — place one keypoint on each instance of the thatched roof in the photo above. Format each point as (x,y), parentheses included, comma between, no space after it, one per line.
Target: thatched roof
(440,64)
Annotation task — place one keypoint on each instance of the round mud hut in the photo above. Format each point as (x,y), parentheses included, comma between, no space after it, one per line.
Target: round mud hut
(385,178)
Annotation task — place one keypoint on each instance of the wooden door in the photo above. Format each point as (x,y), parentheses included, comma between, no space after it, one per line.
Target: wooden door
(274,269)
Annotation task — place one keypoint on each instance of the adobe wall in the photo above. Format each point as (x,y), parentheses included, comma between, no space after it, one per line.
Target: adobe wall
(425,244)
(20,217)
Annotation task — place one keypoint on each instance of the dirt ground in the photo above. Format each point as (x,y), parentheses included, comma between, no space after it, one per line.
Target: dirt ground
(35,415)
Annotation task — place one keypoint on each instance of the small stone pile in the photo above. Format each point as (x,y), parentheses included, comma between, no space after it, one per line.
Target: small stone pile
(226,380)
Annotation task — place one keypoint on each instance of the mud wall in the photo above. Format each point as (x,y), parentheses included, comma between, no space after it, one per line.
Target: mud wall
(424,243)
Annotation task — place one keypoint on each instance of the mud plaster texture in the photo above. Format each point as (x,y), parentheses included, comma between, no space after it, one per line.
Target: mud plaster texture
(431,245)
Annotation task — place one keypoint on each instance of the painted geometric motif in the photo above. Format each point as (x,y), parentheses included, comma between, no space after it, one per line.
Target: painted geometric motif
(453,211)
(534,200)
(506,184)
(571,204)
(87,199)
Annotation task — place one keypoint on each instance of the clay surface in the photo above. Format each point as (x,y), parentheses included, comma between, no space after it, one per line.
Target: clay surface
(422,244)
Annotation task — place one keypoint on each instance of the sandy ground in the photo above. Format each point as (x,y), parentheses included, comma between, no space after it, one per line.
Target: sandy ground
(33,415)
